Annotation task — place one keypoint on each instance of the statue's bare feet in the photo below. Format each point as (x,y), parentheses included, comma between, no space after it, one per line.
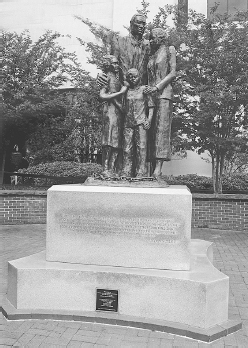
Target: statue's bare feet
(157,174)
(107,173)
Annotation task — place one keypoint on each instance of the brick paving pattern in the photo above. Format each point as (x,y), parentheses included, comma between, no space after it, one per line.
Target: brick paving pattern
(230,256)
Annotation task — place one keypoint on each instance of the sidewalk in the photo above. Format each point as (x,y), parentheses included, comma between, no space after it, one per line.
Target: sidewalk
(230,256)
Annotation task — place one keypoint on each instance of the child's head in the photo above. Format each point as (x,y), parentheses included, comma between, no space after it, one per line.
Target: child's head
(110,63)
(133,77)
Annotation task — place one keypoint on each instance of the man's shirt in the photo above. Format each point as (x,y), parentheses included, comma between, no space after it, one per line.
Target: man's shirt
(131,54)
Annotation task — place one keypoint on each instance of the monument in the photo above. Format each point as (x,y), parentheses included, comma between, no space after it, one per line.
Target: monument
(118,247)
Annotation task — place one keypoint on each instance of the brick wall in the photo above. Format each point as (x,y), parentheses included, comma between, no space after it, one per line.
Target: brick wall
(213,211)
(220,211)
(26,207)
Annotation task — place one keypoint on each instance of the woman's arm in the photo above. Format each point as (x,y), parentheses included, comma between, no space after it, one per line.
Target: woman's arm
(172,74)
(168,78)
(106,96)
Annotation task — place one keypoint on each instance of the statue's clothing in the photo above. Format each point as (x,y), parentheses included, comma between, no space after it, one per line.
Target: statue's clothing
(112,125)
(135,136)
(159,138)
(134,151)
(131,54)
(137,104)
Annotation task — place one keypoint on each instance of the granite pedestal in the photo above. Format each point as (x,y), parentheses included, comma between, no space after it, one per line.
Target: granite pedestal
(144,227)
(188,297)
(133,240)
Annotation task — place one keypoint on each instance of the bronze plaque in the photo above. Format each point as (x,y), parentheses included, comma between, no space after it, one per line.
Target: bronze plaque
(107,300)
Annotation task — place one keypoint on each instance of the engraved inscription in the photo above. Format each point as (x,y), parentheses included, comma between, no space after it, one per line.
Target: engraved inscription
(156,230)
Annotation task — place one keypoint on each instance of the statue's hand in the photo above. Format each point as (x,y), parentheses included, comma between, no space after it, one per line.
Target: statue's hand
(149,90)
(102,80)
(147,124)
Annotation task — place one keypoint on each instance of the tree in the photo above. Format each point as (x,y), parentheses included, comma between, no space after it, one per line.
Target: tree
(33,74)
(215,84)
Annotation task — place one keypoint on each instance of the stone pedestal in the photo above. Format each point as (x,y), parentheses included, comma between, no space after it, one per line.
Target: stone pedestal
(134,241)
(198,297)
(144,227)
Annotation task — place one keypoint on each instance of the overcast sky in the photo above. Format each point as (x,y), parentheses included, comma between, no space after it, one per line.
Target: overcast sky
(58,15)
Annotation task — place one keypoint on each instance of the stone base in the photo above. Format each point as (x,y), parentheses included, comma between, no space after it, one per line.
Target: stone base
(197,298)
(133,226)
(205,335)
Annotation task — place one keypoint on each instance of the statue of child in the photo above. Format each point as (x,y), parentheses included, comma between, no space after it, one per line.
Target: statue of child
(113,114)
(139,113)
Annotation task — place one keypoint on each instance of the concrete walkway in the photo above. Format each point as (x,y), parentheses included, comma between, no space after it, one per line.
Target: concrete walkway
(230,256)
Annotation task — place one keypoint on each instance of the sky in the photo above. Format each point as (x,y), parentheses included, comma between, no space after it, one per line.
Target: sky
(59,15)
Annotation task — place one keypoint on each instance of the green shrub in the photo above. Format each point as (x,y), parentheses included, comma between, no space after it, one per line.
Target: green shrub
(60,169)
(193,181)
(238,182)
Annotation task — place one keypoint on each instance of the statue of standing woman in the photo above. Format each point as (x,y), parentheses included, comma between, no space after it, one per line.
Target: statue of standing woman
(161,71)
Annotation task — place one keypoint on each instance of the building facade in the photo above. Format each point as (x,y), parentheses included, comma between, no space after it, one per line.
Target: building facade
(228,6)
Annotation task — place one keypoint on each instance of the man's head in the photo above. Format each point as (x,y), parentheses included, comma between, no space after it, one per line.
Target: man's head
(157,37)
(137,25)
(133,77)
(110,63)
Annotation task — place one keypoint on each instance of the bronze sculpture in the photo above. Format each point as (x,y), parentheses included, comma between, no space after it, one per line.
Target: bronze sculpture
(132,51)
(155,63)
(139,113)
(161,70)
(112,114)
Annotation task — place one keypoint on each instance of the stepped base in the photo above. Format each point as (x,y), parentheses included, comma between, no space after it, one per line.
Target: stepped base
(197,298)
(205,335)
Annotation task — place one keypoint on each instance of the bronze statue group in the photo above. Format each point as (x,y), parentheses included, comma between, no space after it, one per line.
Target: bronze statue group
(137,94)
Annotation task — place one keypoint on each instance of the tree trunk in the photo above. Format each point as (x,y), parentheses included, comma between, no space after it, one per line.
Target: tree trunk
(217,171)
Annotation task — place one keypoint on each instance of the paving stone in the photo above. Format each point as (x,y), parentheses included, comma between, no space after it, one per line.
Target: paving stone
(128,344)
(88,333)
(143,333)
(69,332)
(26,338)
(136,339)
(184,342)
(88,339)
(87,345)
(153,342)
(165,343)
(36,341)
(38,332)
(74,344)
(71,324)
(7,341)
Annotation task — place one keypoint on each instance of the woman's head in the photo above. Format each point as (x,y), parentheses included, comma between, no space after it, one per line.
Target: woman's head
(157,37)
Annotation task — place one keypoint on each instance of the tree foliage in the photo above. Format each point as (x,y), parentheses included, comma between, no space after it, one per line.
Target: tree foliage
(36,107)
(215,88)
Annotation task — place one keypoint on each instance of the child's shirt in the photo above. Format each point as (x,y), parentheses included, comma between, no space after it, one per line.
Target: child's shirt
(137,104)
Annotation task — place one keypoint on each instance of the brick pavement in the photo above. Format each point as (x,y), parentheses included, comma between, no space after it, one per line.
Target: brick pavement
(230,256)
